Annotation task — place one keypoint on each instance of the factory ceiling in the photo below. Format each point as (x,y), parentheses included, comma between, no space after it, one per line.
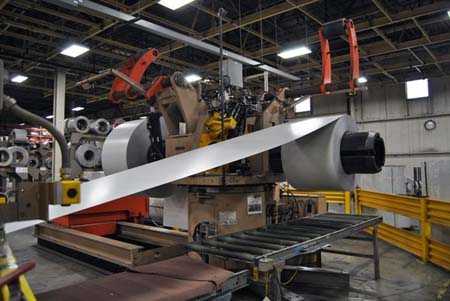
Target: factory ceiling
(399,40)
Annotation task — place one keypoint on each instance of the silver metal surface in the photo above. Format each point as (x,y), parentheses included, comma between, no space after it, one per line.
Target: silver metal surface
(5,157)
(87,155)
(127,147)
(100,126)
(18,136)
(170,34)
(314,161)
(78,124)
(132,181)
(138,87)
(20,156)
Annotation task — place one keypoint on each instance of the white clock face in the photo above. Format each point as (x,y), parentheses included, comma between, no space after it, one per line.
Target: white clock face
(429,125)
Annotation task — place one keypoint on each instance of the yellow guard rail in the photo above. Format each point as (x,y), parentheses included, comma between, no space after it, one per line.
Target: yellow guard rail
(427,211)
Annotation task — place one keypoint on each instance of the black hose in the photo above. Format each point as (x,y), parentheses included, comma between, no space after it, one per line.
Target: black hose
(11,105)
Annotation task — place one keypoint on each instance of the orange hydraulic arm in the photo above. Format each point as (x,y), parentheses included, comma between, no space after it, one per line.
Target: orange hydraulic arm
(132,72)
(330,30)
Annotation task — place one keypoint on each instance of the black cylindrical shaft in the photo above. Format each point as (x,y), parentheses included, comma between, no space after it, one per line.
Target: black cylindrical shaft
(362,152)
(333,29)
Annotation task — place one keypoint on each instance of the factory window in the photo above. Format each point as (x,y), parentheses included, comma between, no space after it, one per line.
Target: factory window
(417,89)
(303,106)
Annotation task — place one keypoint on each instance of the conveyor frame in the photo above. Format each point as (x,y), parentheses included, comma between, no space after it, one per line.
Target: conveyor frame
(331,227)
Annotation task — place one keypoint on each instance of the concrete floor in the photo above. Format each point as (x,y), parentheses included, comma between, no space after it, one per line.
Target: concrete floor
(403,276)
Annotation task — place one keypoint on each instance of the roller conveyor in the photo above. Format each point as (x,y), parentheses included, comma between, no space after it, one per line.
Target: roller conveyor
(283,241)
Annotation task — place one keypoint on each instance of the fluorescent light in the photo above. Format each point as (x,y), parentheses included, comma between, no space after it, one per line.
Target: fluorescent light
(362,80)
(303,106)
(77,109)
(19,78)
(448,13)
(417,89)
(22,123)
(287,54)
(192,78)
(74,50)
(49,117)
(143,117)
(174,4)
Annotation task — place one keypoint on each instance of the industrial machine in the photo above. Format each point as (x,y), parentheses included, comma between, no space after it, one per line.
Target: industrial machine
(215,166)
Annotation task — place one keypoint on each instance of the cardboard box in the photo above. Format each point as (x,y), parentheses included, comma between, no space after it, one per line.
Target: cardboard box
(178,144)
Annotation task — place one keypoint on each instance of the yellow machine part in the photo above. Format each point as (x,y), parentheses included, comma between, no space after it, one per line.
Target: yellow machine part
(213,127)
(2,200)
(213,131)
(8,264)
(70,192)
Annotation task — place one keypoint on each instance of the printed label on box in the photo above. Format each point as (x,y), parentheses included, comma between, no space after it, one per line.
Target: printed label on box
(227,218)
(254,204)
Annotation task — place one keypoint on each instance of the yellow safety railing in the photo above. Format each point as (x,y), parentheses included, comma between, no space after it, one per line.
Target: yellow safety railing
(427,211)
(332,196)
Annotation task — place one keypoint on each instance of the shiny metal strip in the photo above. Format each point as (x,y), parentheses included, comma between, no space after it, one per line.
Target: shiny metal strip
(171,169)
(174,168)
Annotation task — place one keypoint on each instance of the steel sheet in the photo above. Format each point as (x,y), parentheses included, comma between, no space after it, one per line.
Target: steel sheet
(174,168)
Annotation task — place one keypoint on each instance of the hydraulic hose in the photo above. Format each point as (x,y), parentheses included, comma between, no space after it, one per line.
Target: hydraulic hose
(11,105)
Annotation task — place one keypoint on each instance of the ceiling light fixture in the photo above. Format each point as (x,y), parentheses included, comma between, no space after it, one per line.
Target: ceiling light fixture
(362,80)
(192,78)
(448,13)
(19,78)
(294,52)
(174,4)
(77,109)
(49,117)
(74,50)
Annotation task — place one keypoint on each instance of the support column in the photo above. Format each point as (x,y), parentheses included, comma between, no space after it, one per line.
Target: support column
(348,202)
(425,230)
(266,81)
(59,102)
(376,259)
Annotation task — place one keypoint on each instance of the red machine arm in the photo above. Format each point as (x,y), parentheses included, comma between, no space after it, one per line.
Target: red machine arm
(134,69)
(334,29)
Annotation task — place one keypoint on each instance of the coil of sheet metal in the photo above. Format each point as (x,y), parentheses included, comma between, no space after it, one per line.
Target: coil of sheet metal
(78,124)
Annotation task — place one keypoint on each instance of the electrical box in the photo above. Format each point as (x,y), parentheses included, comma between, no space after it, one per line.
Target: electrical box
(234,71)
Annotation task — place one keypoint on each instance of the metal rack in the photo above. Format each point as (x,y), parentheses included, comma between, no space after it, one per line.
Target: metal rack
(267,245)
